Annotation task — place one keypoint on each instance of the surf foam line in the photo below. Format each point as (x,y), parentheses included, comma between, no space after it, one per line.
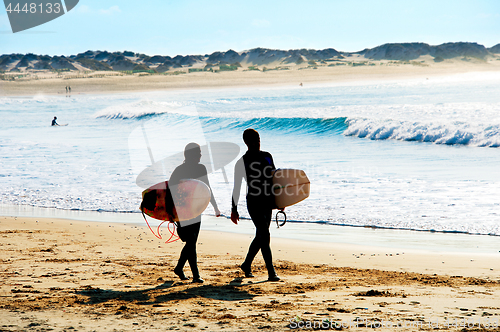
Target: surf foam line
(137,110)
(455,133)
(442,231)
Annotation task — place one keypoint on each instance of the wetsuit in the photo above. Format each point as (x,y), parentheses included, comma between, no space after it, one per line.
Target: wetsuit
(189,233)
(257,167)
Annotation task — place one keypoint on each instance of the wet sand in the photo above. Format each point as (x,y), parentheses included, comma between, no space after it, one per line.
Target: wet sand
(68,275)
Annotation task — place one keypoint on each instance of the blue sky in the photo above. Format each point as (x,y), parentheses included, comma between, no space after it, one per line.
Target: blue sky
(170,27)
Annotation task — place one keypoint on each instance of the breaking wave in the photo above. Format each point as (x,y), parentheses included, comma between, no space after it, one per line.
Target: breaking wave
(455,133)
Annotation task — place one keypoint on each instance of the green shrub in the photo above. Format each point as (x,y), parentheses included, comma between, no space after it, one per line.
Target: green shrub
(228,67)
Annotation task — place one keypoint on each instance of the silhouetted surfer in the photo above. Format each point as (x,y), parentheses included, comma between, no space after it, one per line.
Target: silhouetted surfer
(54,122)
(257,167)
(190,169)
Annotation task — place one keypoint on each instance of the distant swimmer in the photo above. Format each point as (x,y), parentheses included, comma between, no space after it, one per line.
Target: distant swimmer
(54,123)
(300,84)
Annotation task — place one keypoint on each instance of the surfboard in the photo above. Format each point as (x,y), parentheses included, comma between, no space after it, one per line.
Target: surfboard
(222,153)
(181,202)
(290,186)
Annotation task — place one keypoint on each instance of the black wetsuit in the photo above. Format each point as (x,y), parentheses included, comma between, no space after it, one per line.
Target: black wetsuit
(189,233)
(257,167)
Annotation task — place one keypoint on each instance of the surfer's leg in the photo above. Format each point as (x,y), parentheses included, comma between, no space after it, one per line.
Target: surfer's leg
(255,245)
(252,252)
(188,234)
(265,241)
(180,265)
(183,257)
(191,251)
(261,218)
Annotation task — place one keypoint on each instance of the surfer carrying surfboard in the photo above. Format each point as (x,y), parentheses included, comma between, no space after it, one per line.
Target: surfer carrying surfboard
(188,230)
(257,167)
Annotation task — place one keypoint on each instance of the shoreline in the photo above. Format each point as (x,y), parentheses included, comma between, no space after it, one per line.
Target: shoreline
(239,79)
(66,274)
(363,255)
(388,238)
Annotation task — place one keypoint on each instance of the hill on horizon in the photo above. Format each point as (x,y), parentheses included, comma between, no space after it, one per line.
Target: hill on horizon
(231,60)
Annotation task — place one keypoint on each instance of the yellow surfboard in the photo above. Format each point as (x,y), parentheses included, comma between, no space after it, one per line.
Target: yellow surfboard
(290,186)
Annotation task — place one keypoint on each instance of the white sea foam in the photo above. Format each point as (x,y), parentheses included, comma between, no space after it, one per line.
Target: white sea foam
(440,133)
(138,109)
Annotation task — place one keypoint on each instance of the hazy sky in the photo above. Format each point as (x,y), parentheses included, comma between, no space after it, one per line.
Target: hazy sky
(171,27)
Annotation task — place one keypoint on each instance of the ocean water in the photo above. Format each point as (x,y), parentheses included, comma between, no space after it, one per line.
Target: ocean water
(416,154)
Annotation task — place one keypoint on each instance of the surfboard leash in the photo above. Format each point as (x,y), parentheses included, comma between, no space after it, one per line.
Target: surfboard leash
(173,237)
(284,221)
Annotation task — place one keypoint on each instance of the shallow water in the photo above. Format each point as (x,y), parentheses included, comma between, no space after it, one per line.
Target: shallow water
(413,154)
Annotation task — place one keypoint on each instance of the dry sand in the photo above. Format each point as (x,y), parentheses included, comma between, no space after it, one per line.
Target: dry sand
(103,83)
(64,275)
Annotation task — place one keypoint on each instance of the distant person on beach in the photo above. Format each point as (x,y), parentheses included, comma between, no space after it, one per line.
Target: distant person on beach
(257,167)
(66,89)
(54,122)
(69,89)
(190,169)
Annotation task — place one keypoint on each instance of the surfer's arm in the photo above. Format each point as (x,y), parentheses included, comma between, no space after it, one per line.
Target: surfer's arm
(214,203)
(239,170)
(175,177)
(271,162)
(204,178)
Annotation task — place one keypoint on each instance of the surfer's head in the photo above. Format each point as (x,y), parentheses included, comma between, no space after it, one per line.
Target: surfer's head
(55,118)
(252,139)
(192,153)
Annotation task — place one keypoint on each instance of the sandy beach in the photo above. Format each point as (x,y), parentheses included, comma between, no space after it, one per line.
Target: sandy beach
(115,82)
(67,275)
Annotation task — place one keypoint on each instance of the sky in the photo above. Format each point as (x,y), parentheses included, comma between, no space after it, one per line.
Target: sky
(192,27)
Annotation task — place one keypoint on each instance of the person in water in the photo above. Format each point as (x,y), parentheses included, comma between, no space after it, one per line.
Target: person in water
(54,122)
(189,230)
(257,167)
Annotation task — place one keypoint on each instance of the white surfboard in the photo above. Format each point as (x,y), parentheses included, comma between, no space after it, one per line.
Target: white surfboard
(290,186)
(191,198)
